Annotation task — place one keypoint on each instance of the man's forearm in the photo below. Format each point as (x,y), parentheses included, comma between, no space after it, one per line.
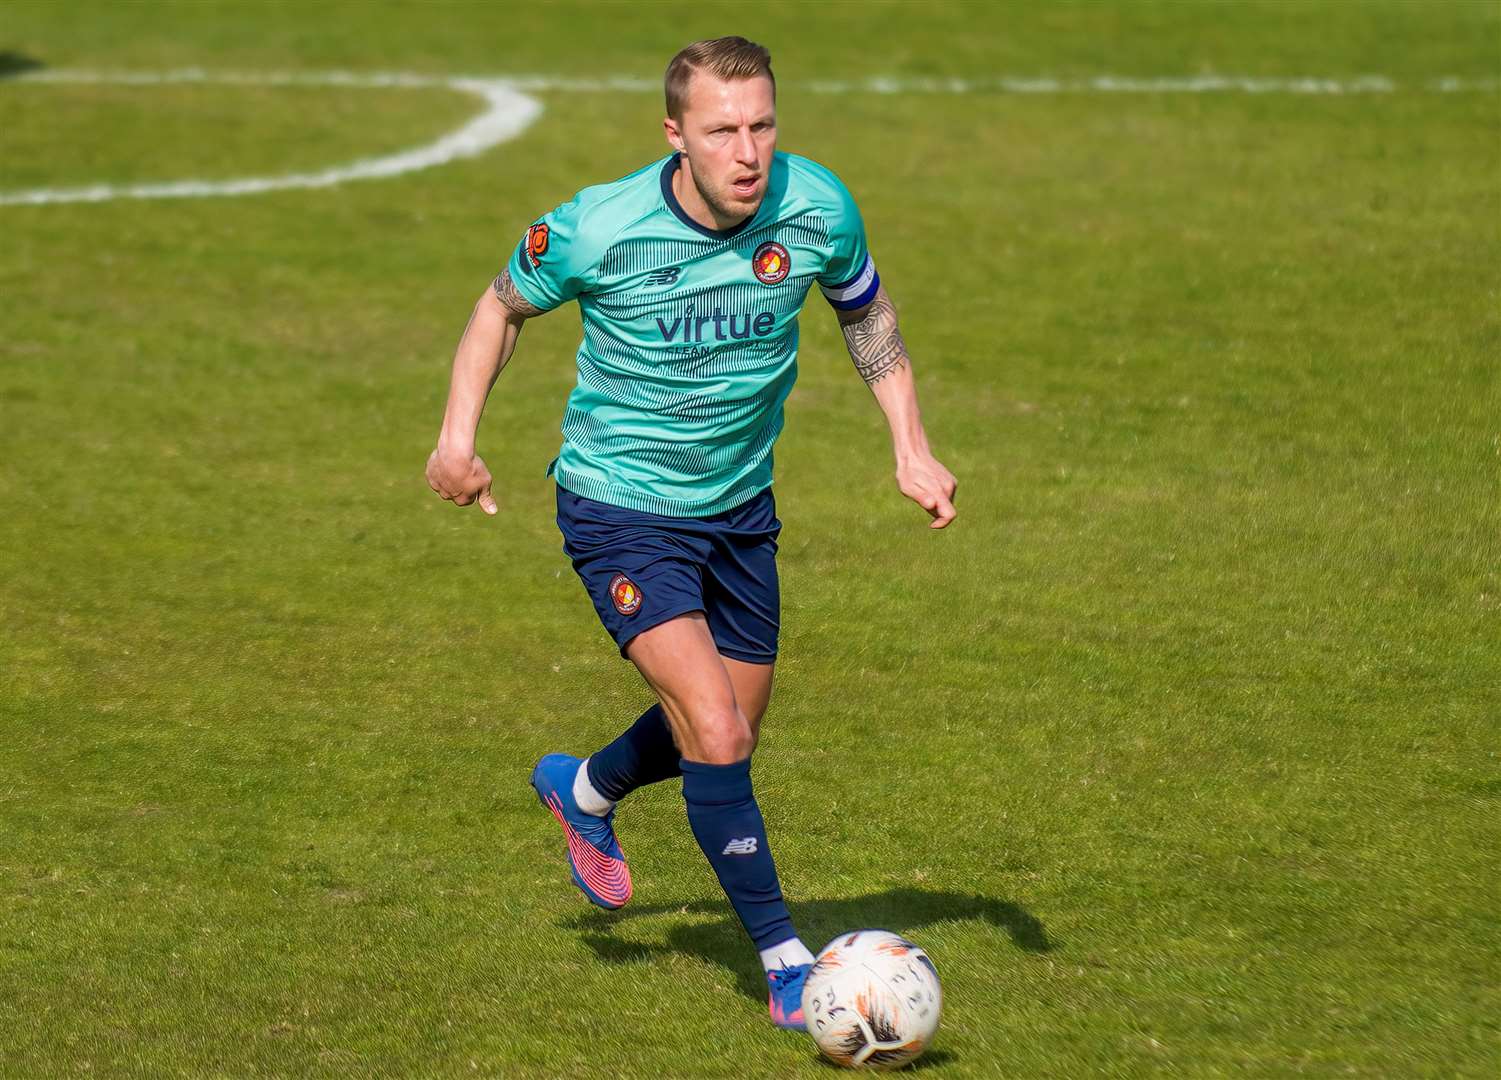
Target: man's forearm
(880,356)
(487,344)
(897,397)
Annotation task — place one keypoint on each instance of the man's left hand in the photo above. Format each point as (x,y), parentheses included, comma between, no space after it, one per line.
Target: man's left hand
(925,481)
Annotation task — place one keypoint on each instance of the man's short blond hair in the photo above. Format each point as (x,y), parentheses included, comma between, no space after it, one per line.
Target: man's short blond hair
(725,57)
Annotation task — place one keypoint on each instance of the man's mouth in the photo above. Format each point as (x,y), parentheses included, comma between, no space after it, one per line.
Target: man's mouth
(745,186)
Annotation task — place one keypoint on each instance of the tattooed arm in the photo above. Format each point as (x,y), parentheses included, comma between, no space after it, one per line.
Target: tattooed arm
(454,471)
(510,298)
(880,355)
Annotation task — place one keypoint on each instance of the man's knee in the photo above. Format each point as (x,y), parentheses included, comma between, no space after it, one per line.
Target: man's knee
(723,735)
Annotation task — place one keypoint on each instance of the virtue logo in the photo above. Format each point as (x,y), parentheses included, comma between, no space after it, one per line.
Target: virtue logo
(691,327)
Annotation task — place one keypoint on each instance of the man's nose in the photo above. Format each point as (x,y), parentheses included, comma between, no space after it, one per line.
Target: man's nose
(745,148)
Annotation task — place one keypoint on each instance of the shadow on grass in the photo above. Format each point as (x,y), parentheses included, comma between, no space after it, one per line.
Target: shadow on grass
(14,63)
(722,941)
(931,1059)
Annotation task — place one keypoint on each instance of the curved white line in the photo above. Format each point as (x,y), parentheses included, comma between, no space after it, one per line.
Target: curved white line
(509,111)
(507,114)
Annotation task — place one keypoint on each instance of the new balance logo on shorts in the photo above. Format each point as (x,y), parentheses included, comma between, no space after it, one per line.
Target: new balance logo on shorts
(746,846)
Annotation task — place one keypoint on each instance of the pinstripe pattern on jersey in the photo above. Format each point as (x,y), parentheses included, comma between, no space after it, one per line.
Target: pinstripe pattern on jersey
(679,398)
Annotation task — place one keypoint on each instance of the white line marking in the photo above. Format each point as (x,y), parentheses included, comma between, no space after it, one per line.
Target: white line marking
(1007,84)
(510,111)
(1120,84)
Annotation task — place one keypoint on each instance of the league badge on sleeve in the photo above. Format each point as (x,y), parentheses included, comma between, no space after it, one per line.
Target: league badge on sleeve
(625,595)
(536,243)
(771,263)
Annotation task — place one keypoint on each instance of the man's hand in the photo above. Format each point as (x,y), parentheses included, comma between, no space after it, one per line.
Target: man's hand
(461,478)
(925,481)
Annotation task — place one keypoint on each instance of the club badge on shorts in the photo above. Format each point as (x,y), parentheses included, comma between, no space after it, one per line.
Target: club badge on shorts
(771,263)
(625,595)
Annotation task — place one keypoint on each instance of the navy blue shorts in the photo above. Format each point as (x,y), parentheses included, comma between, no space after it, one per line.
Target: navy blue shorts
(642,569)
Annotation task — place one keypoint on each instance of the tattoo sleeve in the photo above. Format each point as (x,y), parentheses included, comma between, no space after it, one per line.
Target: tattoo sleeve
(511,298)
(874,342)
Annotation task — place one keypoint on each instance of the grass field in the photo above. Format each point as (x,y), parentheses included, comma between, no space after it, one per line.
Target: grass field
(1180,752)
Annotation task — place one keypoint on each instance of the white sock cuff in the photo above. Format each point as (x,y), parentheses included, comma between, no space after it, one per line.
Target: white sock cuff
(590,801)
(789,953)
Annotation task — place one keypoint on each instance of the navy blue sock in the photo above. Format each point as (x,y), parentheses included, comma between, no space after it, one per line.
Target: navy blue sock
(727,824)
(643,754)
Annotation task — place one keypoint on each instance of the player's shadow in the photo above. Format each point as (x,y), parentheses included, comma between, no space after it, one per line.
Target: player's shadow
(723,942)
(14,63)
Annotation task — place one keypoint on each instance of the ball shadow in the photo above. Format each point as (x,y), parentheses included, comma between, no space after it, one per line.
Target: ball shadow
(931,1059)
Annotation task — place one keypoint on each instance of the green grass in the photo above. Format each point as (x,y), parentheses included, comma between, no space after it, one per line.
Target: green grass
(1178,752)
(64,135)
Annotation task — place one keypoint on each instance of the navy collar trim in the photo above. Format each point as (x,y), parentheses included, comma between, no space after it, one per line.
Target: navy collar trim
(670,167)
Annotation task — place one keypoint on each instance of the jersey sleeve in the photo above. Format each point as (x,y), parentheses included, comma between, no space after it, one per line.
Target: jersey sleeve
(849,279)
(553,263)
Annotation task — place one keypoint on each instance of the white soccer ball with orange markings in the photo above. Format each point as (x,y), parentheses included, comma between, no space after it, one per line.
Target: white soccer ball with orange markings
(872,1000)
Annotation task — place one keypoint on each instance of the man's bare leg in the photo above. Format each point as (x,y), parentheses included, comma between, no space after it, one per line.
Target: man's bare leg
(646,753)
(679,661)
(698,692)
(752,683)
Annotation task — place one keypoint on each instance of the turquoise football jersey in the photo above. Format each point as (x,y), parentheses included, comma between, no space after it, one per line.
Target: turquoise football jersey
(690,334)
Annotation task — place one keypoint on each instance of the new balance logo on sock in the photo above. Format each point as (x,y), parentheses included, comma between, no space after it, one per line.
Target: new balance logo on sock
(740,847)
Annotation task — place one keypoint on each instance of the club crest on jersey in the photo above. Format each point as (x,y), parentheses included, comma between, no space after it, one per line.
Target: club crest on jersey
(771,263)
(536,243)
(625,595)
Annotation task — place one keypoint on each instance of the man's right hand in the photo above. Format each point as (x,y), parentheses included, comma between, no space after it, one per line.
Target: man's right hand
(461,478)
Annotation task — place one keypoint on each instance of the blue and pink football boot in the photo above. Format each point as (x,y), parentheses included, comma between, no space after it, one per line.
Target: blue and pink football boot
(784,998)
(594,854)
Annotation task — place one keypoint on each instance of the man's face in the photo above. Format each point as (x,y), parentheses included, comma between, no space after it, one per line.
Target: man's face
(728,134)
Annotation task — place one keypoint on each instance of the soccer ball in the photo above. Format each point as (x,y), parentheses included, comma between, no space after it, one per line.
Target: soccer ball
(872,1000)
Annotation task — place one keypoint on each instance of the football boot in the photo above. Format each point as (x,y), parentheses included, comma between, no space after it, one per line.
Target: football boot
(785,997)
(594,855)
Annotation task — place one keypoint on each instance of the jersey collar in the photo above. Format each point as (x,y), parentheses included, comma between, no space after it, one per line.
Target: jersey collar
(671,166)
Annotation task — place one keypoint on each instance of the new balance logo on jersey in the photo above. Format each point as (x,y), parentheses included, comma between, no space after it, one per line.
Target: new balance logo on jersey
(667,276)
(746,846)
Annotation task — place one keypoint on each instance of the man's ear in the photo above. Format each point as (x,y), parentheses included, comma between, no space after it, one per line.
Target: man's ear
(674,134)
